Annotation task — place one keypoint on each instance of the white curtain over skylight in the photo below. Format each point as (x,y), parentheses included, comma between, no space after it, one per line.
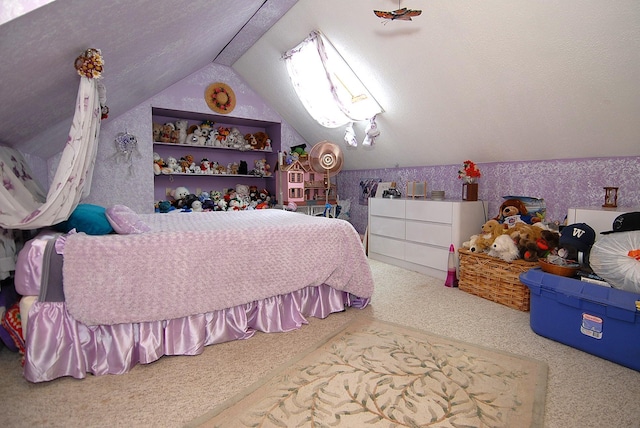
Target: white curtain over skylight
(328,88)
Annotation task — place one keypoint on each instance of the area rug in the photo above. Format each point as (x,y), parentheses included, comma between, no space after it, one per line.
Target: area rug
(374,373)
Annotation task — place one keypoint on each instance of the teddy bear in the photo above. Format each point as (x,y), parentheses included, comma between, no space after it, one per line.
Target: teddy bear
(181,127)
(262,141)
(165,133)
(157,130)
(172,166)
(513,211)
(504,248)
(179,194)
(233,167)
(491,229)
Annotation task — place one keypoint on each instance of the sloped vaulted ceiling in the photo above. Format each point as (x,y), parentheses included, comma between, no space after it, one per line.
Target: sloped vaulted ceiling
(489,80)
(147,46)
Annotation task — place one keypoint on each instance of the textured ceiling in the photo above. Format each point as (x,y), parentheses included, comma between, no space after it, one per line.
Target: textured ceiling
(147,46)
(490,80)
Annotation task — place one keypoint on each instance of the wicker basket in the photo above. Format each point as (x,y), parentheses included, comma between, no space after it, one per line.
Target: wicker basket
(494,279)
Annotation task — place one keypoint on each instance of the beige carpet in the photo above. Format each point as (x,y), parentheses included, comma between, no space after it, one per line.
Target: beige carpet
(375,373)
(583,391)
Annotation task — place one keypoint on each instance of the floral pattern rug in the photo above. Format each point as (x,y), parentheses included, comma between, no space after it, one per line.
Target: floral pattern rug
(374,373)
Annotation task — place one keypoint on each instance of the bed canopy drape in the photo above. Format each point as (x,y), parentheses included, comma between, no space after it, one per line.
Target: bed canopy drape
(23,203)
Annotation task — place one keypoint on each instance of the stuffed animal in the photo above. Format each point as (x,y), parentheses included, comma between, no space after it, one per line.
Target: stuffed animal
(157,131)
(265,199)
(513,211)
(174,136)
(179,194)
(205,166)
(243,192)
(196,206)
(182,126)
(542,247)
(491,229)
(164,206)
(159,165)
(260,168)
(172,166)
(165,134)
(196,137)
(521,230)
(222,135)
(262,141)
(237,140)
(468,244)
(504,248)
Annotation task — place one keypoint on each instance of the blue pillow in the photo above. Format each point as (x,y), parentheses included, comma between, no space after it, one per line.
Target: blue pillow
(87,218)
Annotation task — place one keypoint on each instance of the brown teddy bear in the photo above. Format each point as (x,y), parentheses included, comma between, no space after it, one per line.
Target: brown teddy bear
(513,211)
(260,141)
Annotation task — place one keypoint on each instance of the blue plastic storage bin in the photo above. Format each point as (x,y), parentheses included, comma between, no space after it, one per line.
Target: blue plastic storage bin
(599,320)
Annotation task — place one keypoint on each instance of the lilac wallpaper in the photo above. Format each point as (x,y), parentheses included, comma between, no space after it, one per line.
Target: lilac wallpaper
(561,183)
(115,183)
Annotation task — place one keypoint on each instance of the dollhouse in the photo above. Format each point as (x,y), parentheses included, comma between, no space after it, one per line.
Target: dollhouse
(297,182)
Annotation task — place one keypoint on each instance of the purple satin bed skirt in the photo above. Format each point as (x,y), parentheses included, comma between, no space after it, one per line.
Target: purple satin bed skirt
(57,345)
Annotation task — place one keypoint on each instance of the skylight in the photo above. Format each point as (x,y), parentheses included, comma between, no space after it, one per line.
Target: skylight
(11,9)
(327,87)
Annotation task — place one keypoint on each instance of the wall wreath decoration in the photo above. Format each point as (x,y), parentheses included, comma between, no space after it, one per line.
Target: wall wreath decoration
(220,98)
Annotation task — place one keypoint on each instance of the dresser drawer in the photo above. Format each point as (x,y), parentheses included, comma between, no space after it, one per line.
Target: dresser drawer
(385,226)
(432,211)
(424,255)
(429,233)
(387,207)
(386,246)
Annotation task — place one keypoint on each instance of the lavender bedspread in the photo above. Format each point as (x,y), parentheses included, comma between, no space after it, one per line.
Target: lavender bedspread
(195,263)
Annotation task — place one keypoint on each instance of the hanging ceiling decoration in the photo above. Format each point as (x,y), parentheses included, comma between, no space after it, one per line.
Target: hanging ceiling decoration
(400,14)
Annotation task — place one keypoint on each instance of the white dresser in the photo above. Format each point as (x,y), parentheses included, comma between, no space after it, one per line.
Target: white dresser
(600,219)
(416,234)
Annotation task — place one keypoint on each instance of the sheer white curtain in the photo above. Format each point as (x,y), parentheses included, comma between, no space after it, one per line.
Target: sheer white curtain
(329,90)
(23,203)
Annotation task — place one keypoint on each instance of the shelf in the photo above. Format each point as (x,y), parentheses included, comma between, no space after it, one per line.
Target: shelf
(158,143)
(190,174)
(216,155)
(218,119)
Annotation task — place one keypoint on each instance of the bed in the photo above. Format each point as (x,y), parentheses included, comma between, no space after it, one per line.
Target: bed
(171,284)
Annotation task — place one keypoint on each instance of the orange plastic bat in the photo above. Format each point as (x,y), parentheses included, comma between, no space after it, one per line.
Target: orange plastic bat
(403,14)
